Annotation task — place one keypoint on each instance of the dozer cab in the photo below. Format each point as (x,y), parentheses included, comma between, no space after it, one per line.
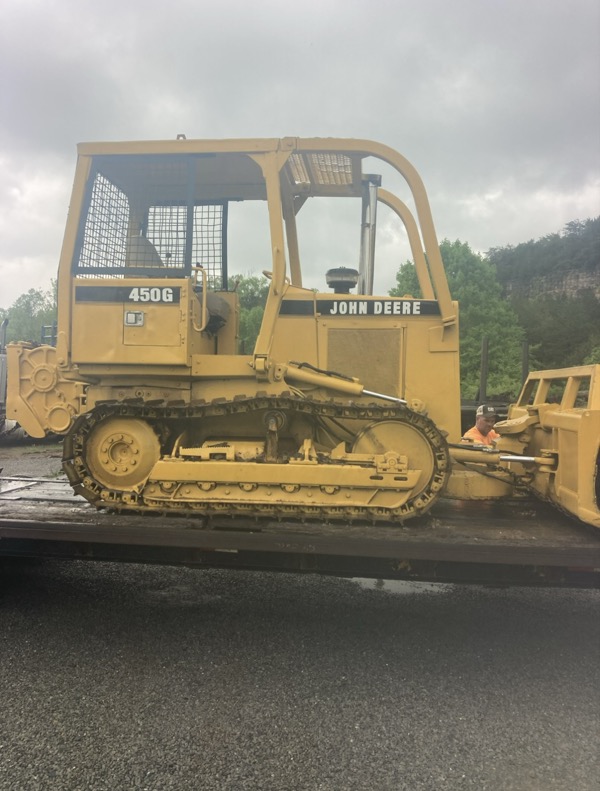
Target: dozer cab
(347,408)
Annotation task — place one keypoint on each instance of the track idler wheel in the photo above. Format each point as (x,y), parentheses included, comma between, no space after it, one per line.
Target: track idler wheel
(120,452)
(423,446)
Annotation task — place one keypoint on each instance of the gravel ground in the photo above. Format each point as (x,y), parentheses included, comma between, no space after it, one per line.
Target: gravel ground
(145,677)
(32,459)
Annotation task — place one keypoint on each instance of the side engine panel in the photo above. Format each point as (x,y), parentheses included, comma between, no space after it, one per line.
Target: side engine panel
(391,344)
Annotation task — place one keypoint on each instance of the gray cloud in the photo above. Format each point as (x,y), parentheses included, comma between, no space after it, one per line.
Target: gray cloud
(497,104)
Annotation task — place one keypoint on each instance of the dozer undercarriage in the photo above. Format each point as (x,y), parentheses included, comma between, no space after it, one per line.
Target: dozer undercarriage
(267,456)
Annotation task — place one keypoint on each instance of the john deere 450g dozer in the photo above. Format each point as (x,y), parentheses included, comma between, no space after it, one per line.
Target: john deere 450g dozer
(349,405)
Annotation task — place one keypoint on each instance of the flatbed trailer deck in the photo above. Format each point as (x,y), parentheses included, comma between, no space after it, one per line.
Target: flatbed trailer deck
(520,541)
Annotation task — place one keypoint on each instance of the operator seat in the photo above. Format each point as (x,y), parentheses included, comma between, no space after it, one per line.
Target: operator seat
(142,253)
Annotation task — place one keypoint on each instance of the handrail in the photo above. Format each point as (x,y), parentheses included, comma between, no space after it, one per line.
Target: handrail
(204,288)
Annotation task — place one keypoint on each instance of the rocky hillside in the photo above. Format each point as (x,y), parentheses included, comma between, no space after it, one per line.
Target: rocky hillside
(553,284)
(559,284)
(560,264)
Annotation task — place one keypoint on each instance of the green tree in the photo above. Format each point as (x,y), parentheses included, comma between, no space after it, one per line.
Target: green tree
(483,313)
(561,324)
(29,313)
(252,291)
(593,357)
(575,248)
(564,330)
(250,321)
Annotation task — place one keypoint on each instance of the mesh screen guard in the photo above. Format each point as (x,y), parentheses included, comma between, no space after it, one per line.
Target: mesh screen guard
(142,217)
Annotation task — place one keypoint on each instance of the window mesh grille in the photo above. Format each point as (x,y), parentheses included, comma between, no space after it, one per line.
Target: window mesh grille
(105,231)
(145,221)
(209,221)
(166,230)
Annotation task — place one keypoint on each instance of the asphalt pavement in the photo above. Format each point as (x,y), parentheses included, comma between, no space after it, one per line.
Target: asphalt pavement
(147,677)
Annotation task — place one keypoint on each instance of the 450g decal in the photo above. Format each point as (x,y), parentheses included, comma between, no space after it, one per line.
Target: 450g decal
(151,294)
(157,295)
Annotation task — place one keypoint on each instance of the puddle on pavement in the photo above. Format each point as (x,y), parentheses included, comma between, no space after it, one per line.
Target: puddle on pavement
(182,595)
(402,587)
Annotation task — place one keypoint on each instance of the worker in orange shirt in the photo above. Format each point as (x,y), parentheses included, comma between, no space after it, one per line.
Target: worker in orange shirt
(482,432)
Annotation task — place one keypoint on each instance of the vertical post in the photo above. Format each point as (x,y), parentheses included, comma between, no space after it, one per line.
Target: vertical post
(291,232)
(3,371)
(367,237)
(525,362)
(3,330)
(189,224)
(271,165)
(224,269)
(483,373)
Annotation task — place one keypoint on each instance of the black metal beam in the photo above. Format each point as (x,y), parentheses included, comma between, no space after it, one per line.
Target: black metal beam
(335,565)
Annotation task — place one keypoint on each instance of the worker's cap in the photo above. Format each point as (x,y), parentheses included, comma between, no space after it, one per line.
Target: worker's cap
(486,411)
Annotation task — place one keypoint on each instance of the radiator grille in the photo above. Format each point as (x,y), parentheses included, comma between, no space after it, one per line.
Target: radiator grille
(372,356)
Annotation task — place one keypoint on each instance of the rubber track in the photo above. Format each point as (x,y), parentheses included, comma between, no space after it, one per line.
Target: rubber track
(160,412)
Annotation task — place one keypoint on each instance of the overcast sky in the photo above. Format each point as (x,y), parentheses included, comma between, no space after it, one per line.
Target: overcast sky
(496,102)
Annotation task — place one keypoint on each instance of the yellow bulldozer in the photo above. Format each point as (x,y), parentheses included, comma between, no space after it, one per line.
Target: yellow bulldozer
(348,407)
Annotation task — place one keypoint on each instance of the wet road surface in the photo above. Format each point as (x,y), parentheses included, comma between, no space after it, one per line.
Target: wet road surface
(145,677)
